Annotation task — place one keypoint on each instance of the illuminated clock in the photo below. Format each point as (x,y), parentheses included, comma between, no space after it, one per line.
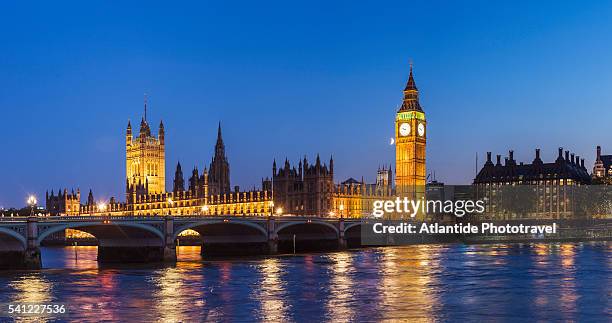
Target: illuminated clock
(404,129)
(421,129)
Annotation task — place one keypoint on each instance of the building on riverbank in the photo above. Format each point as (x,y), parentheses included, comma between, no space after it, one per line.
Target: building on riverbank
(308,190)
(537,190)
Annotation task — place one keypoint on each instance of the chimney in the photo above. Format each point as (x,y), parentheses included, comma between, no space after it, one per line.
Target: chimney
(582,163)
(573,159)
(498,160)
(537,153)
(506,161)
(511,155)
(560,152)
(598,153)
(488,156)
(567,156)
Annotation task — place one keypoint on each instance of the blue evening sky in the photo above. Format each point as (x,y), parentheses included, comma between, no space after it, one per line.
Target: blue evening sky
(290,78)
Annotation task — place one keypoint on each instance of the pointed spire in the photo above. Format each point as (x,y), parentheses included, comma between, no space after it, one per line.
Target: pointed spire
(411,85)
(411,95)
(219,132)
(145,108)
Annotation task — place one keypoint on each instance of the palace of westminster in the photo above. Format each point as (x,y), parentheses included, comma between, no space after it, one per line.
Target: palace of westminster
(309,189)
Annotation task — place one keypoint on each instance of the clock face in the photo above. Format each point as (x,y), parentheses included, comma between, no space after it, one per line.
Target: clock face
(421,129)
(404,129)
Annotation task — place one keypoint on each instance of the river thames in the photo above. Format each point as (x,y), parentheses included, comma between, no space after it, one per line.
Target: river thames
(431,282)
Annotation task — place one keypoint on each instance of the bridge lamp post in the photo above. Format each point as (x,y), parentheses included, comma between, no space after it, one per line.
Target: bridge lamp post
(205,209)
(170,203)
(341,210)
(279,210)
(32,202)
(101,207)
(271,208)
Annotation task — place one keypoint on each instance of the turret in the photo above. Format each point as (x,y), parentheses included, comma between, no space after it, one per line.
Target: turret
(90,198)
(128,134)
(219,146)
(179,182)
(274,167)
(161,132)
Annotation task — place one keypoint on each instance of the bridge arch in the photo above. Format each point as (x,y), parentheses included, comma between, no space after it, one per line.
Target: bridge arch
(84,226)
(204,223)
(13,236)
(351,225)
(285,226)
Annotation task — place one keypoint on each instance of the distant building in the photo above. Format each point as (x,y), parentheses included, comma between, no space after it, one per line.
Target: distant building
(207,193)
(145,160)
(602,170)
(550,184)
(309,190)
(306,190)
(63,203)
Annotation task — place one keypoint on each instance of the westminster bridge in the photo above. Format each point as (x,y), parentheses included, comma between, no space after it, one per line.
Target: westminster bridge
(153,238)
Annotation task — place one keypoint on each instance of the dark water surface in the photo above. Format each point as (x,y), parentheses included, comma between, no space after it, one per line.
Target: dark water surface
(428,282)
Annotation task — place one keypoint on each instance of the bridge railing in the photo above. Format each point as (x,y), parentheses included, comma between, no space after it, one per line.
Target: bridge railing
(162,217)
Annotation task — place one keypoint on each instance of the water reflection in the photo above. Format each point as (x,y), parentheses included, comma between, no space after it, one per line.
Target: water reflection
(568,282)
(513,282)
(340,302)
(271,291)
(170,296)
(409,277)
(31,288)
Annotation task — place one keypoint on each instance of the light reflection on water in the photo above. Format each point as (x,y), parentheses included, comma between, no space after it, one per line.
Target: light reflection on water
(424,282)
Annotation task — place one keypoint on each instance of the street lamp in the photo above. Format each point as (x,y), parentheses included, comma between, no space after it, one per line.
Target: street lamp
(170,203)
(205,209)
(32,202)
(341,210)
(101,207)
(279,210)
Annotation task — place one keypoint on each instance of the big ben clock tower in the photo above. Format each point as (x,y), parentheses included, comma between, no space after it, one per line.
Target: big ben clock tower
(410,141)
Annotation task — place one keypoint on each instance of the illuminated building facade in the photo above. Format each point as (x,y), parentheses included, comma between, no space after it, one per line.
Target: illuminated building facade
(145,161)
(63,202)
(208,193)
(310,190)
(602,170)
(306,190)
(410,142)
(544,189)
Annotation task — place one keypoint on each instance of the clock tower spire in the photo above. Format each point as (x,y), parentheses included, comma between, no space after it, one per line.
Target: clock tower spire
(410,139)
